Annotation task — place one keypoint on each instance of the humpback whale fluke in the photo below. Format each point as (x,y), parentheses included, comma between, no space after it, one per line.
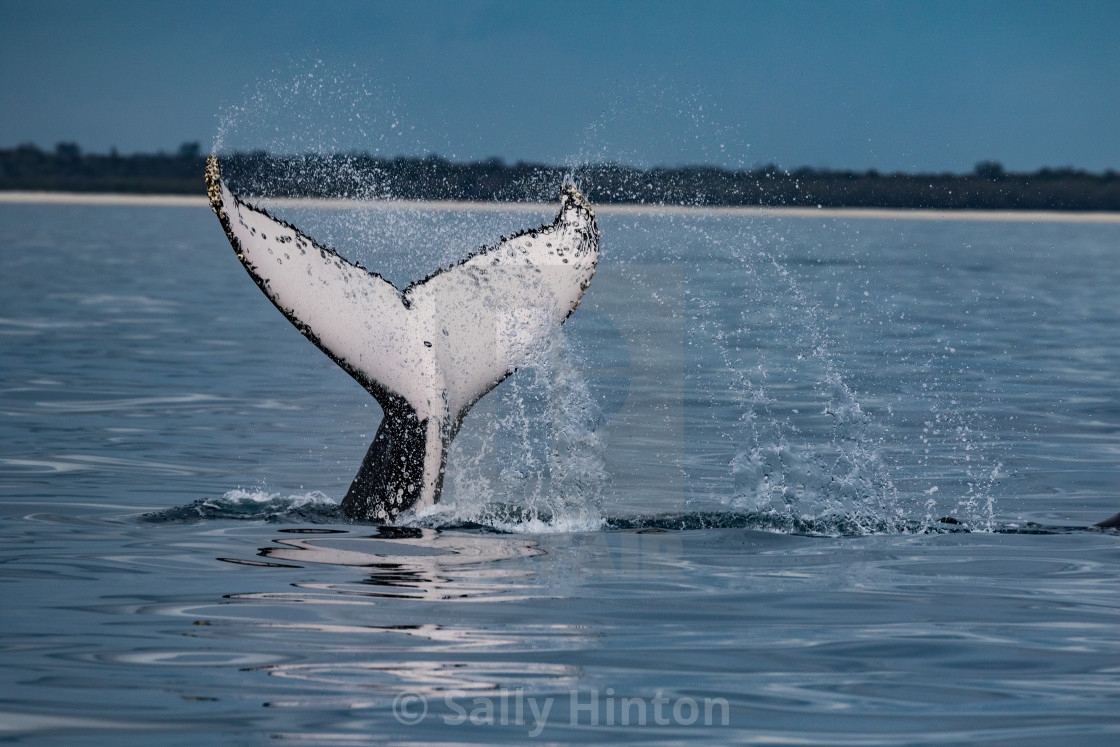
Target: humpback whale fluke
(426,353)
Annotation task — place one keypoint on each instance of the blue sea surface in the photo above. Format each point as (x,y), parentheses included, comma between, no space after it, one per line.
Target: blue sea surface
(783,479)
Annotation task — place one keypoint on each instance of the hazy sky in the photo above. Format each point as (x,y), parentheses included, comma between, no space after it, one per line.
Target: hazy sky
(905,86)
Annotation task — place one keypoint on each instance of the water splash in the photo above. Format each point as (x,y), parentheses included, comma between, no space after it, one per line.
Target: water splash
(316,108)
(816,453)
(529,458)
(254,505)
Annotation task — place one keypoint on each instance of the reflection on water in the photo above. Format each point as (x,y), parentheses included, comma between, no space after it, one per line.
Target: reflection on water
(404,562)
(425,677)
(392,569)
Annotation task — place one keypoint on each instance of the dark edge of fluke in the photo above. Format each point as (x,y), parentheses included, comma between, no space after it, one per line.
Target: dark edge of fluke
(1113,522)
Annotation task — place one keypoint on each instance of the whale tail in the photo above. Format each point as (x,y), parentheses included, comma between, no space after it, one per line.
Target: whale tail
(426,353)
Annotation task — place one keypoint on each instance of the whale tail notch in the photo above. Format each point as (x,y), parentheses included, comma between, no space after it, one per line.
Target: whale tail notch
(426,353)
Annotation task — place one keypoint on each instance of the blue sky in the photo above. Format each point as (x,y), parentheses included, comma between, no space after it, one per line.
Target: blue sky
(908,86)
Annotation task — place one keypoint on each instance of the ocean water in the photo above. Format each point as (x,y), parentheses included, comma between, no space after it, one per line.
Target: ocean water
(809,479)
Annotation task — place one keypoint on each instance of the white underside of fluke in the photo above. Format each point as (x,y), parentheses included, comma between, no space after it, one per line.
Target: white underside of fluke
(442,343)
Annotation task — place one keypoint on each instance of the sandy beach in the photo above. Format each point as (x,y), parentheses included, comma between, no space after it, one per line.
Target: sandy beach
(1022,216)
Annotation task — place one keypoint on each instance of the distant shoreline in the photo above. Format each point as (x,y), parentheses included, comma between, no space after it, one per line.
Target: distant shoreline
(178,200)
(432,179)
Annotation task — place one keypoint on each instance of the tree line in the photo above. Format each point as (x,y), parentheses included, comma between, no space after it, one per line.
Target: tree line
(359,175)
